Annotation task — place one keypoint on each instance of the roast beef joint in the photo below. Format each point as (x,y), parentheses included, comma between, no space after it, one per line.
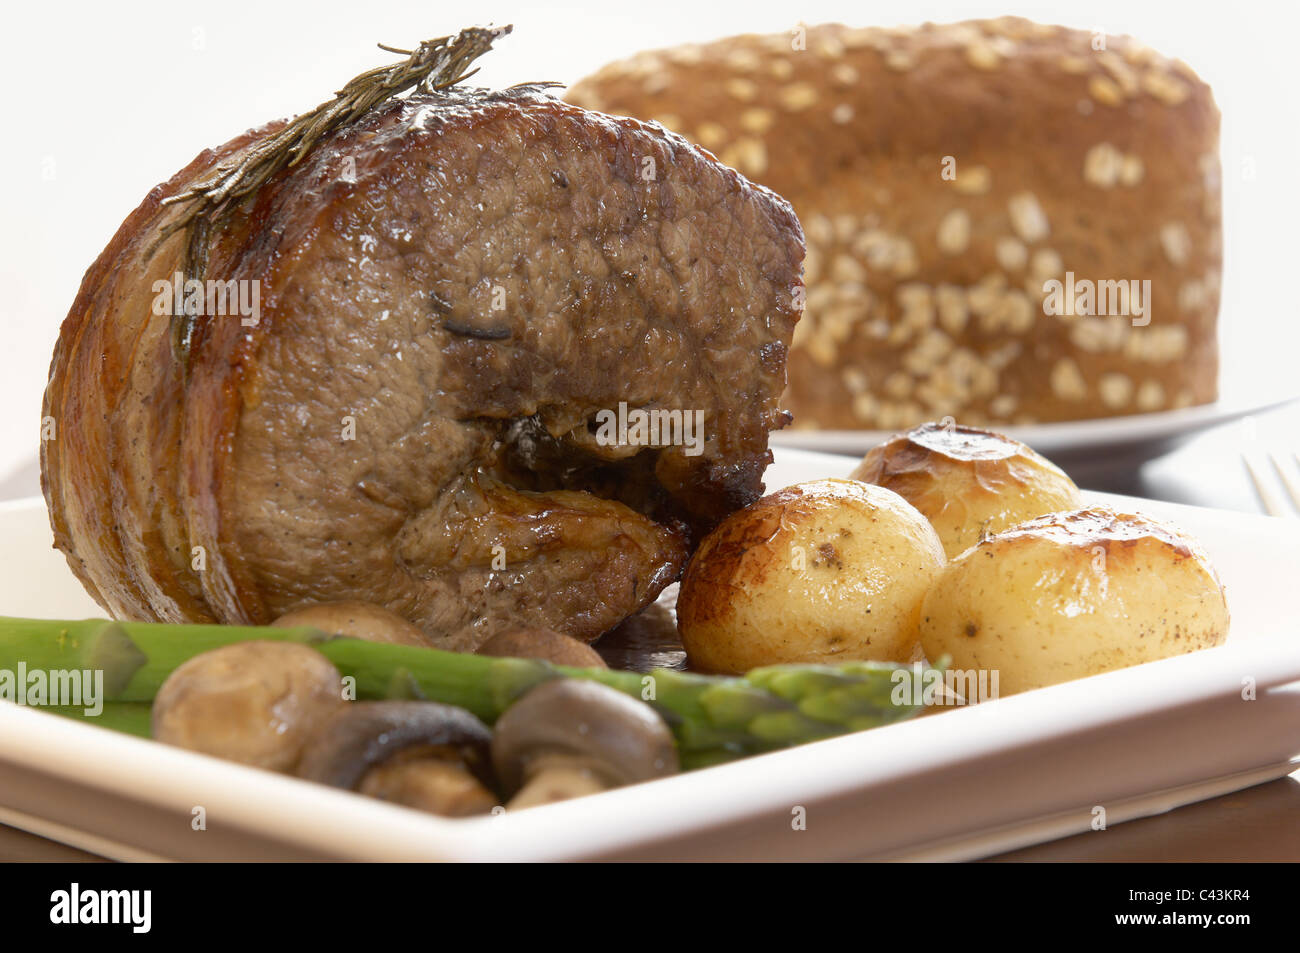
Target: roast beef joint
(455,290)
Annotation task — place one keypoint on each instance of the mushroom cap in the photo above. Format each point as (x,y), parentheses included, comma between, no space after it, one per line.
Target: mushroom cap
(545,644)
(366,734)
(619,738)
(358,620)
(257,703)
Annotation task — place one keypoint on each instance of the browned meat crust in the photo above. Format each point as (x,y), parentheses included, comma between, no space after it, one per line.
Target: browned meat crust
(450,291)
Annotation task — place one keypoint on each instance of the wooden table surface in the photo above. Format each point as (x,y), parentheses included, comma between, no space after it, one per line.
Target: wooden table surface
(1259,824)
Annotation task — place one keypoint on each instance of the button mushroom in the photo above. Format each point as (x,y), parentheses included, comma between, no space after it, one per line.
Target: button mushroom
(424,755)
(358,620)
(252,702)
(545,644)
(569,737)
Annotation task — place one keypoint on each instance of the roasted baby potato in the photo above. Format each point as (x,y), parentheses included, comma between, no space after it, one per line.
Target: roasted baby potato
(968,482)
(1074,594)
(825,571)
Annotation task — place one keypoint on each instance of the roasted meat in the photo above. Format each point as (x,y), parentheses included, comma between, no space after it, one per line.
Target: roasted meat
(455,293)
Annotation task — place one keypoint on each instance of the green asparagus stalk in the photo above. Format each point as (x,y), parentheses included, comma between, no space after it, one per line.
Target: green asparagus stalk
(128,718)
(715,718)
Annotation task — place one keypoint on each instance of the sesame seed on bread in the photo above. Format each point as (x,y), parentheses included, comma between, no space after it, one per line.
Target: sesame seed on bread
(943,175)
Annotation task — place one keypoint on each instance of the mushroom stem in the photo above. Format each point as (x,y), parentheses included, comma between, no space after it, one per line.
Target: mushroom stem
(569,737)
(435,785)
(558,777)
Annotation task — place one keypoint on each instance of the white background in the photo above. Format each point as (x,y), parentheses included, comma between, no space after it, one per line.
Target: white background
(104,100)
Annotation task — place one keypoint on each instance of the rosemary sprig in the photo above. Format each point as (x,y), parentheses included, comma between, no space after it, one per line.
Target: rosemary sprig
(432,66)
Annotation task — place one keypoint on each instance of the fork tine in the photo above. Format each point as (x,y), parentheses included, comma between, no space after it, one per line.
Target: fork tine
(1291,483)
(1272,505)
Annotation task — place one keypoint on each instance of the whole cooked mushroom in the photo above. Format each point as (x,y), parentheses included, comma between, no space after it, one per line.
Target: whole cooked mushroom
(252,702)
(358,620)
(568,737)
(425,755)
(545,644)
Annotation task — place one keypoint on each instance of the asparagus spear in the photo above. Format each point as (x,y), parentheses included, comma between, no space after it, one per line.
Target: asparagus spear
(128,718)
(714,718)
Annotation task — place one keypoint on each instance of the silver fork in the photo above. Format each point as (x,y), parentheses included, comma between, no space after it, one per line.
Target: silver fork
(1288,474)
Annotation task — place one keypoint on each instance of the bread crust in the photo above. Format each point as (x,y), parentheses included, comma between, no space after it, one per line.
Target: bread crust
(944,174)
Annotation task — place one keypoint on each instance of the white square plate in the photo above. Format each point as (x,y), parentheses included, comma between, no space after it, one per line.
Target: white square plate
(959,784)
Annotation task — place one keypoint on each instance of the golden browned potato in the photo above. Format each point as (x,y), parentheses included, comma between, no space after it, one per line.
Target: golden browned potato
(968,482)
(825,571)
(1074,594)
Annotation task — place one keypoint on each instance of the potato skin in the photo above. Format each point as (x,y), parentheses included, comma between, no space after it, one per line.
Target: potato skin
(967,481)
(1074,594)
(825,571)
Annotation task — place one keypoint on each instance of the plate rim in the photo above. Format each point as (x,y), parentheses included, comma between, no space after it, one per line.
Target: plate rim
(1064,434)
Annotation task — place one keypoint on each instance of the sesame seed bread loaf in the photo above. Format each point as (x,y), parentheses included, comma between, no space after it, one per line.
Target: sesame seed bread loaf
(945,176)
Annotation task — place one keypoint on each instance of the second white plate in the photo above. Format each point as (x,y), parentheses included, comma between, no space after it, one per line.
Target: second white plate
(1075,445)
